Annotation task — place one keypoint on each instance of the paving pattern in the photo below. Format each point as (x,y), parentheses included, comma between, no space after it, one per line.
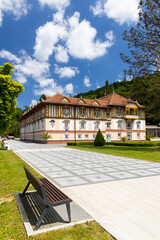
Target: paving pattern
(70,167)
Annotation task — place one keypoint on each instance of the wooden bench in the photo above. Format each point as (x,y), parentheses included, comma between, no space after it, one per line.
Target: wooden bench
(49,193)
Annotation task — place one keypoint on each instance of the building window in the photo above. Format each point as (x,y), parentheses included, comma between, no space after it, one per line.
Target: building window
(82,125)
(66,111)
(131,111)
(119,124)
(96,113)
(79,136)
(82,112)
(127,111)
(66,124)
(94,136)
(96,125)
(66,136)
(129,136)
(119,135)
(107,113)
(86,136)
(38,124)
(129,125)
(138,124)
(119,111)
(138,136)
(42,123)
(108,124)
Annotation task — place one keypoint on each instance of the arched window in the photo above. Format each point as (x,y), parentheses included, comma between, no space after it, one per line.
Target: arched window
(129,125)
(131,111)
(119,124)
(138,124)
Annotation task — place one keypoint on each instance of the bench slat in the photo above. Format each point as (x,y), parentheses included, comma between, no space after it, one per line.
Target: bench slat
(53,194)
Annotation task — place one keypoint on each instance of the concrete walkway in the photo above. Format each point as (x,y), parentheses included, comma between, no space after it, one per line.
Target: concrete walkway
(128,209)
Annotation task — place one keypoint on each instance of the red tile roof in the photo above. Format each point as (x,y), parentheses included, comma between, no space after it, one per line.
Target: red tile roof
(112,99)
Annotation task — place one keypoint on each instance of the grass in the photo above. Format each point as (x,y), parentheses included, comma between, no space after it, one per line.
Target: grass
(143,153)
(13,179)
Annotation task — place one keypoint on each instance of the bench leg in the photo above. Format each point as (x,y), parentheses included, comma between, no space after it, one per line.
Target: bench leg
(41,218)
(68,211)
(25,188)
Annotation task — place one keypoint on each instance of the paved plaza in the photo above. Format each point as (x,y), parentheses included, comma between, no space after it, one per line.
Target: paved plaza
(69,167)
(122,194)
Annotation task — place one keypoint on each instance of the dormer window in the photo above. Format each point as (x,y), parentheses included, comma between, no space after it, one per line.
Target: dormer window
(107,113)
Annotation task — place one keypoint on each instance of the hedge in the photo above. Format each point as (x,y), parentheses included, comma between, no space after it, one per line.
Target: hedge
(129,144)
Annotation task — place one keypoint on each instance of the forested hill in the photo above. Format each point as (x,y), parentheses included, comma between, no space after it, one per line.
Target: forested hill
(146,90)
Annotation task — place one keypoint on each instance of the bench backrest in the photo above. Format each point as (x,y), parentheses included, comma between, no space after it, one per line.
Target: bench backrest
(35,182)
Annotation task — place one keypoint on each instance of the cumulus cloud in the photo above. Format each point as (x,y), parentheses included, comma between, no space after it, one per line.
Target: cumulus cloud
(78,38)
(15,7)
(49,90)
(61,54)
(9,56)
(87,81)
(33,103)
(123,11)
(66,72)
(69,88)
(55,4)
(46,38)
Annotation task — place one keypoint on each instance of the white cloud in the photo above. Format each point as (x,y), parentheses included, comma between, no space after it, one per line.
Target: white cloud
(55,4)
(50,90)
(61,54)
(33,103)
(66,72)
(82,44)
(121,11)
(9,56)
(87,81)
(15,7)
(69,88)
(78,39)
(47,36)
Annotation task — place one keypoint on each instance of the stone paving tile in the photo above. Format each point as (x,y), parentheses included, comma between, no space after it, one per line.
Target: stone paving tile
(95,178)
(69,167)
(70,181)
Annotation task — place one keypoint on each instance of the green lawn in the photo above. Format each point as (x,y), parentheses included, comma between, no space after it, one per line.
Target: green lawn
(13,179)
(144,153)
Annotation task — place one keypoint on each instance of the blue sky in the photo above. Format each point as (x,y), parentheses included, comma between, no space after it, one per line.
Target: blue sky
(65,46)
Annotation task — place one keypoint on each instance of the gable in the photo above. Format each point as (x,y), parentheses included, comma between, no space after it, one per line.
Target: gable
(95,103)
(82,101)
(65,99)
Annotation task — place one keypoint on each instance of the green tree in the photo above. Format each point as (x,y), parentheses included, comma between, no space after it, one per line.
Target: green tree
(15,123)
(42,97)
(144,40)
(99,140)
(9,91)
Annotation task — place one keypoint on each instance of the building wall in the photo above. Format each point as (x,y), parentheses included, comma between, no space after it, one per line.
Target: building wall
(54,120)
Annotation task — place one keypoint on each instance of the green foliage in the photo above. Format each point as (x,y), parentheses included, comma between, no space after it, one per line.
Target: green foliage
(15,123)
(148,136)
(46,136)
(123,139)
(135,144)
(144,40)
(99,140)
(9,91)
(42,97)
(79,143)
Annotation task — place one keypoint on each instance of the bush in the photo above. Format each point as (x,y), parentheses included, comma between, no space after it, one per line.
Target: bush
(99,140)
(71,143)
(123,139)
(79,143)
(148,136)
(135,144)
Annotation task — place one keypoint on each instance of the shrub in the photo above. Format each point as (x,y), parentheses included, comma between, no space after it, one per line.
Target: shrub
(99,140)
(123,139)
(148,136)
(71,143)
(45,136)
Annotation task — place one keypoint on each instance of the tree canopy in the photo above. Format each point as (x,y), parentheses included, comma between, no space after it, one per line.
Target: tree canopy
(144,40)
(9,91)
